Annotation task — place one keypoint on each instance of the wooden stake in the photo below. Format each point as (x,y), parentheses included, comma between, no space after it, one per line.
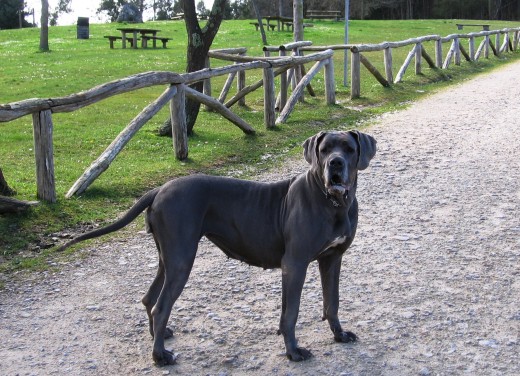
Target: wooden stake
(44,155)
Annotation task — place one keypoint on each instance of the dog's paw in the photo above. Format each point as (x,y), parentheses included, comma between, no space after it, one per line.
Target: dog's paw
(345,337)
(299,354)
(166,358)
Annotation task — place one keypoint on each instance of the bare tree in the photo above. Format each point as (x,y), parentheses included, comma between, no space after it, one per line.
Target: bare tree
(260,23)
(298,20)
(199,43)
(44,27)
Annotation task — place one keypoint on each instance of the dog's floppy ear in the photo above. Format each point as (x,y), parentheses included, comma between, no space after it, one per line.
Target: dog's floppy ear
(310,148)
(367,148)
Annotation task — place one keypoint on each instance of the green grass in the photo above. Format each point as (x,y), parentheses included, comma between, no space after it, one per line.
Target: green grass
(147,161)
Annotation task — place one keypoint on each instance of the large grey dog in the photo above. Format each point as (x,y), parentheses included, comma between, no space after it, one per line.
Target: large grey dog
(286,224)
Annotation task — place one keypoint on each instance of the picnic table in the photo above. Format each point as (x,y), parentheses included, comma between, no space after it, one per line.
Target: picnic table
(131,34)
(281,22)
(133,31)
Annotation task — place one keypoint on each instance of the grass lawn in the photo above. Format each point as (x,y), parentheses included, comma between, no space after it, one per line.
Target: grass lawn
(218,147)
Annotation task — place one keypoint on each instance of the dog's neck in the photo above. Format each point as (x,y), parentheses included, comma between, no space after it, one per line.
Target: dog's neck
(345,202)
(329,197)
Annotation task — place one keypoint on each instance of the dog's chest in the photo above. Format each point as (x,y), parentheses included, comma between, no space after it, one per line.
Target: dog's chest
(338,241)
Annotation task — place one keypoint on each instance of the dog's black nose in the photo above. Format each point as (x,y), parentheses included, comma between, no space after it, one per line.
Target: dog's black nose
(337,162)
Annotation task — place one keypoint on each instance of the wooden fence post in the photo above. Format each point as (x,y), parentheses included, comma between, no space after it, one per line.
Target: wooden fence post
(456,46)
(330,87)
(438,53)
(355,74)
(227,86)
(402,70)
(241,84)
(472,48)
(179,128)
(486,46)
(207,83)
(44,155)
(284,84)
(418,58)
(449,56)
(497,43)
(388,64)
(298,73)
(269,98)
(505,43)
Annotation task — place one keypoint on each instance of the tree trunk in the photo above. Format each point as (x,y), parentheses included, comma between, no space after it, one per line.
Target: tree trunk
(199,43)
(5,190)
(298,20)
(44,27)
(260,24)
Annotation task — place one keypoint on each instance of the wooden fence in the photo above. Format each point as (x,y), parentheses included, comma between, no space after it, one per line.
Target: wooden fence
(418,51)
(290,69)
(175,94)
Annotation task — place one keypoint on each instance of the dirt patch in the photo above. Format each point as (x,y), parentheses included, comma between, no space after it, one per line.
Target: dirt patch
(431,285)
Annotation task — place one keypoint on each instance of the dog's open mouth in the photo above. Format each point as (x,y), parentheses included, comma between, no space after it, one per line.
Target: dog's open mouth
(336,187)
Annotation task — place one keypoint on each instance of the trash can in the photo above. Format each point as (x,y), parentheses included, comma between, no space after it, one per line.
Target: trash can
(83,28)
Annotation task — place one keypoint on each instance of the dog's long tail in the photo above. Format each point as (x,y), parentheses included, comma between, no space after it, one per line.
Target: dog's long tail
(143,203)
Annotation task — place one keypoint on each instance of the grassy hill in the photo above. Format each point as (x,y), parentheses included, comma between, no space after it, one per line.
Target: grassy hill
(217,147)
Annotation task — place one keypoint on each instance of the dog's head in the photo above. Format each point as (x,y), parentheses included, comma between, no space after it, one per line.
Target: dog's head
(337,156)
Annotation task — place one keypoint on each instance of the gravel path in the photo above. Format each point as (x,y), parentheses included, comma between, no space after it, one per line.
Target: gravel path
(431,285)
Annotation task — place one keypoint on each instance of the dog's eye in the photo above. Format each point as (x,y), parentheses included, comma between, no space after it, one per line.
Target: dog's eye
(324,149)
(347,147)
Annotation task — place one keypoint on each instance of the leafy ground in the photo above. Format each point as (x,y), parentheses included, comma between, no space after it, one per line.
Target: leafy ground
(217,147)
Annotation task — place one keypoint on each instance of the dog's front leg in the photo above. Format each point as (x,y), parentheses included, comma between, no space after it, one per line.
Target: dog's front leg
(330,267)
(293,277)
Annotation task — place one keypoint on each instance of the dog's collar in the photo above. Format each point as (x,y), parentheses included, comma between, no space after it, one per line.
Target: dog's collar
(331,199)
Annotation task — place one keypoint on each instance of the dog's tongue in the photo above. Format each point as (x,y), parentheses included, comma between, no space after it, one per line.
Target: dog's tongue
(337,190)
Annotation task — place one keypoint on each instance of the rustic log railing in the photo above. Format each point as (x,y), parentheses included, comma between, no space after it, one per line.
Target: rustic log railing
(293,63)
(175,94)
(289,68)
(418,52)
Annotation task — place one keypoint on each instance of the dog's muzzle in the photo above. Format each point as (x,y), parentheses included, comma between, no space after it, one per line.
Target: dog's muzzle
(336,179)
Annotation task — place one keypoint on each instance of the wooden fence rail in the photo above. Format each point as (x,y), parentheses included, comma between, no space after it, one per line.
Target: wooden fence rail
(175,94)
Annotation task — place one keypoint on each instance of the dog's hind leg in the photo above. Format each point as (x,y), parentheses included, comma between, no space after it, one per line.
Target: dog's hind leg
(151,296)
(177,262)
(150,299)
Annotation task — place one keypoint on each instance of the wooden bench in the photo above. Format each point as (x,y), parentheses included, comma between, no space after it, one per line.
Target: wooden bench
(484,26)
(146,38)
(113,38)
(257,25)
(324,14)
